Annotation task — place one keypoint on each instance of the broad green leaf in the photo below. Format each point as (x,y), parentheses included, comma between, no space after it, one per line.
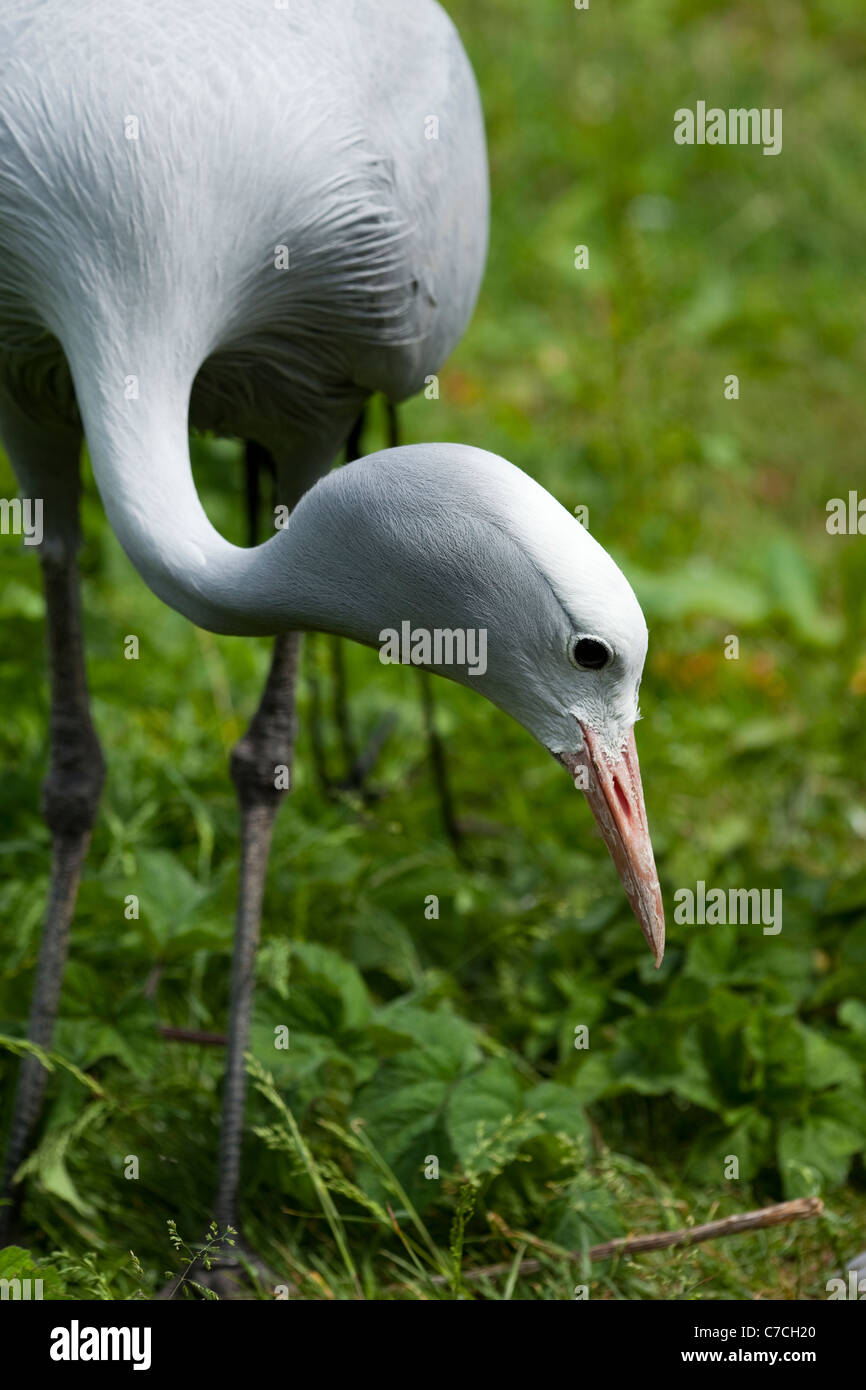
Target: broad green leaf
(480,1103)
(559,1109)
(852,1013)
(821,1145)
(326,969)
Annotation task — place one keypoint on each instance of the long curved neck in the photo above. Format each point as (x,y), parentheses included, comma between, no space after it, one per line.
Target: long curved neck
(137,435)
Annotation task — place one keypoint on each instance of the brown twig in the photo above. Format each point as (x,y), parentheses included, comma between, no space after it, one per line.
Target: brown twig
(192,1035)
(801,1209)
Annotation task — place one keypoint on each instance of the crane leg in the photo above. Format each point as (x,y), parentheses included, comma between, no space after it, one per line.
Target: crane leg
(260,768)
(349,780)
(70,796)
(439,767)
(356,762)
(257,460)
(435,744)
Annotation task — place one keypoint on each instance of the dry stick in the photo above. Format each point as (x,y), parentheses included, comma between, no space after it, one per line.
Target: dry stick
(191,1035)
(801,1209)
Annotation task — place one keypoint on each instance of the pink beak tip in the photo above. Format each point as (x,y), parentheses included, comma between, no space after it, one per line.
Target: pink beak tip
(612,785)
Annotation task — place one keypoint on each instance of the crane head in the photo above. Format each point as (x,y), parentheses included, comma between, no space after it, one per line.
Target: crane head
(445,538)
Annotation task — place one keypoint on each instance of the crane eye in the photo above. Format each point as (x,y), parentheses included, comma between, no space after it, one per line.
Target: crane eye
(591,653)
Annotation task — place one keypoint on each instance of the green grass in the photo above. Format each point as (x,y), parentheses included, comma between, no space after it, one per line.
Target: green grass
(453,1037)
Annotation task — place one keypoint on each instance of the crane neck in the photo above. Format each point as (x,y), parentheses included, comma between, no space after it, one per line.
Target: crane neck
(137,433)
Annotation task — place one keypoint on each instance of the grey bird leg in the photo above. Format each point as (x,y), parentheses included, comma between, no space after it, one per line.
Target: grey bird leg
(328,783)
(267,745)
(341,716)
(435,743)
(70,796)
(338,665)
(439,767)
(357,763)
(315,718)
(257,460)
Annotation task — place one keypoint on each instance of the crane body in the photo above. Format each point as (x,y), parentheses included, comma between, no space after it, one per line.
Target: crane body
(248,218)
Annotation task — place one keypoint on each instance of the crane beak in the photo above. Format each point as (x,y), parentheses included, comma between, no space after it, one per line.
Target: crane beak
(613,789)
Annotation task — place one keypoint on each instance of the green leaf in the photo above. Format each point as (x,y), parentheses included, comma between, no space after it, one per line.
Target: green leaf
(479,1104)
(852,1013)
(559,1109)
(699,587)
(828,1064)
(821,1145)
(168,895)
(792,583)
(749,1139)
(438,1032)
(405,1101)
(17,1263)
(326,970)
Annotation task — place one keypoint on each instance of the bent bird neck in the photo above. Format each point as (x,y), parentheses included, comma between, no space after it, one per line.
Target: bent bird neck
(137,435)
